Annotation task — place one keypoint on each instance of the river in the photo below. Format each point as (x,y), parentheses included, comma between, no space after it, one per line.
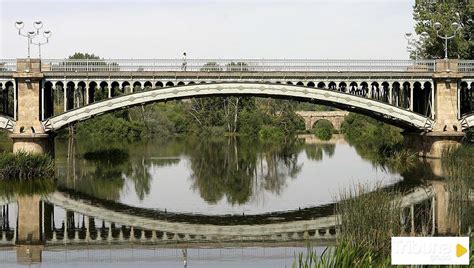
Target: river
(210,201)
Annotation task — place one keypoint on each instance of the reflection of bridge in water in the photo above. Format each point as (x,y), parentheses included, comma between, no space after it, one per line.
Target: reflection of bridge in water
(99,223)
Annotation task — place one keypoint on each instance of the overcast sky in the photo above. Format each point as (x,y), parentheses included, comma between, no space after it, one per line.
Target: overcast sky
(212,29)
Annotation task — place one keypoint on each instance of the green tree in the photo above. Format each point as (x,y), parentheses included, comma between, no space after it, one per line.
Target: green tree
(323,129)
(427,12)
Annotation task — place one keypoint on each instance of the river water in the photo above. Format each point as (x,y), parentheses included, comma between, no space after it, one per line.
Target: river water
(210,201)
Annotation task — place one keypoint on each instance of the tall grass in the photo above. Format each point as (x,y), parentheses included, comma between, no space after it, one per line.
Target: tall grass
(458,166)
(369,217)
(25,166)
(343,255)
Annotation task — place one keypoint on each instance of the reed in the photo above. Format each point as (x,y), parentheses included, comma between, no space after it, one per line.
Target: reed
(458,166)
(25,166)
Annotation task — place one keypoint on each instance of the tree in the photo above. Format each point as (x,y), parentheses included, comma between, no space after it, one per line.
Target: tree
(427,12)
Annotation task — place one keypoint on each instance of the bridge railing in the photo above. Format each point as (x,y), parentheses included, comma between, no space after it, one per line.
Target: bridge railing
(7,65)
(466,66)
(236,65)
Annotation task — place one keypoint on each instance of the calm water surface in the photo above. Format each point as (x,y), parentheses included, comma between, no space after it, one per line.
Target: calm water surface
(226,176)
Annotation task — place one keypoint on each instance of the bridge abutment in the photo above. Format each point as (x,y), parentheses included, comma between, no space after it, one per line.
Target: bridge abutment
(28,134)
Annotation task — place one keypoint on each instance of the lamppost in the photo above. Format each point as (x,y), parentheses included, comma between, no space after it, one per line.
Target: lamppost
(31,34)
(438,27)
(47,35)
(414,42)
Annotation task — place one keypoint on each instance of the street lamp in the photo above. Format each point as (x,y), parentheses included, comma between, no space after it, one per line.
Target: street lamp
(438,27)
(31,34)
(414,42)
(47,35)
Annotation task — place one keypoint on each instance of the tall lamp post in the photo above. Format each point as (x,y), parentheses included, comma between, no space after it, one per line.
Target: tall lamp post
(438,27)
(414,42)
(30,34)
(47,35)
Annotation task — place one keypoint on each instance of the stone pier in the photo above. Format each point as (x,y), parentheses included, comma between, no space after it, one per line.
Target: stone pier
(28,134)
(447,131)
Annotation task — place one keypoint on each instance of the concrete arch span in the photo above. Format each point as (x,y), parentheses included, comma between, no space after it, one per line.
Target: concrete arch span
(382,111)
(7,123)
(467,121)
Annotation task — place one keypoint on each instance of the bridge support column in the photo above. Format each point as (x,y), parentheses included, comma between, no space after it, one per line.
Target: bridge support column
(447,130)
(29,134)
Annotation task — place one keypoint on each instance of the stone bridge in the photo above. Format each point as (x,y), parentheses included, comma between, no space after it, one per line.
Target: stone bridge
(311,117)
(429,99)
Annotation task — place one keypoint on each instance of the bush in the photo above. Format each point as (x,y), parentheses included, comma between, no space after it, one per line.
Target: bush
(271,134)
(110,126)
(24,166)
(323,129)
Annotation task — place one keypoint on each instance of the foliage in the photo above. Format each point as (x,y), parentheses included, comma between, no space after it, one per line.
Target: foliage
(427,12)
(342,256)
(369,217)
(380,143)
(374,134)
(308,106)
(83,56)
(271,134)
(110,126)
(323,129)
(25,166)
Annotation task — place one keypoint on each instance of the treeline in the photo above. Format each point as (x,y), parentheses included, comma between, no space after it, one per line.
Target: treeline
(267,119)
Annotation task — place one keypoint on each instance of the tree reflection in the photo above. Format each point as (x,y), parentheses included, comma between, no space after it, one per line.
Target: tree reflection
(239,168)
(316,151)
(236,169)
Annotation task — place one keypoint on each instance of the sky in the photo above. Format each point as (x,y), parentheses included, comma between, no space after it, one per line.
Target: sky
(288,29)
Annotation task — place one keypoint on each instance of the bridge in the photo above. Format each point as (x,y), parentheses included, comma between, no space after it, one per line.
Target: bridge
(429,99)
(311,117)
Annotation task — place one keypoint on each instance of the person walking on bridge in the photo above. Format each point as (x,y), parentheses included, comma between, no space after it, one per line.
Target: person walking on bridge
(185,63)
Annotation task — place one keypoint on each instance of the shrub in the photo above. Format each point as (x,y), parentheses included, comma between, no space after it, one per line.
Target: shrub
(323,129)
(271,134)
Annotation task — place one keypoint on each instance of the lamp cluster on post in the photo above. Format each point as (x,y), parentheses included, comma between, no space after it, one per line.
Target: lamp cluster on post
(455,27)
(30,35)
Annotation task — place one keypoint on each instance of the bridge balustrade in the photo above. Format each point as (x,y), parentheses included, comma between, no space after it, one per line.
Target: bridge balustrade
(228,65)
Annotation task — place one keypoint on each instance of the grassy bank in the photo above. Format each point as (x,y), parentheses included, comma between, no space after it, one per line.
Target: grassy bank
(25,166)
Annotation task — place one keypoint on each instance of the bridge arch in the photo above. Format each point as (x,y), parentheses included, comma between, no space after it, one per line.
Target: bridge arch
(376,109)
